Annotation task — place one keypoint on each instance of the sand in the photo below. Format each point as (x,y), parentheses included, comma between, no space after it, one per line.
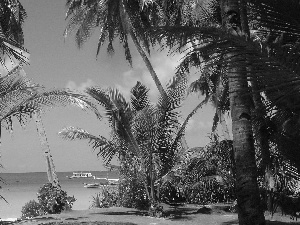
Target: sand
(187,215)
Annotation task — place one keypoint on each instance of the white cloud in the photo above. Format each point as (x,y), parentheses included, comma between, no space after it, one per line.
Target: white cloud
(163,65)
(80,87)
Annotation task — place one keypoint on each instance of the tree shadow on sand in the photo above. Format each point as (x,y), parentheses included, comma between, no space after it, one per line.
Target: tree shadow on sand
(235,222)
(171,213)
(123,213)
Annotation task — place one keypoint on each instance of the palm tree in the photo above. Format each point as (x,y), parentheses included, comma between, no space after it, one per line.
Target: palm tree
(143,135)
(21,99)
(114,18)
(19,88)
(266,57)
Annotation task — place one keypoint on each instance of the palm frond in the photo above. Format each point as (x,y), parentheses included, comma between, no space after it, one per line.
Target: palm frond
(22,102)
(139,96)
(105,148)
(270,16)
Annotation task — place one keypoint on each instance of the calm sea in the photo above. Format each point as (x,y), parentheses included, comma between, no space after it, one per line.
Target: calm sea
(20,188)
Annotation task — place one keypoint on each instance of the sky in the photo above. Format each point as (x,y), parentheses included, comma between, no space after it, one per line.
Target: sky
(56,62)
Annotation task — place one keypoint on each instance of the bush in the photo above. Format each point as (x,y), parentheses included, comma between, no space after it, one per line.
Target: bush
(53,200)
(108,197)
(31,209)
(133,194)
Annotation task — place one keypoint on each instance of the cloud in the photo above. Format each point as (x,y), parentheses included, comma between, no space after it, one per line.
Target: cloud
(80,87)
(164,66)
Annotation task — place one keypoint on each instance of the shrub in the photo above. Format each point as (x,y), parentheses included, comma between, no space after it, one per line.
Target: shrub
(53,200)
(31,209)
(133,194)
(108,197)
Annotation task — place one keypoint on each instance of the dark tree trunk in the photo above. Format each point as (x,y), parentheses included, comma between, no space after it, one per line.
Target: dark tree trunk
(250,211)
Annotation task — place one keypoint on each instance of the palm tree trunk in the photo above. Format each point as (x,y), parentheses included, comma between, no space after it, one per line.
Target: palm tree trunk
(250,211)
(148,64)
(224,126)
(140,50)
(52,177)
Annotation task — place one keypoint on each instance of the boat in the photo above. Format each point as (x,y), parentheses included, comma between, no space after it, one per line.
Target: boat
(113,181)
(102,181)
(94,185)
(81,175)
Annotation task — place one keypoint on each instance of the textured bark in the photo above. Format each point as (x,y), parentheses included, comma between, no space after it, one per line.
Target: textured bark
(259,128)
(249,207)
(52,177)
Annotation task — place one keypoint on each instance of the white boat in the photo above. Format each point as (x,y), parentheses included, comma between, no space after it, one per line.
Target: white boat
(102,181)
(113,181)
(94,185)
(81,175)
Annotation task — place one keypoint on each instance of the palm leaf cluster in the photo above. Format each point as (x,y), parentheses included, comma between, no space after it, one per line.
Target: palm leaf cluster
(20,98)
(269,58)
(114,19)
(12,15)
(204,174)
(143,135)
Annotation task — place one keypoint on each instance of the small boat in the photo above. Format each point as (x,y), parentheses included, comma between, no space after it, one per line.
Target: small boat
(94,185)
(102,181)
(113,181)
(81,175)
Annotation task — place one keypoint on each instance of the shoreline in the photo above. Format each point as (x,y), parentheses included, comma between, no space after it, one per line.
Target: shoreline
(20,188)
(188,214)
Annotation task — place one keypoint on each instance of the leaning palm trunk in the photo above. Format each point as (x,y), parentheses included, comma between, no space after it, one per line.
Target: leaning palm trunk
(148,64)
(52,177)
(141,50)
(249,208)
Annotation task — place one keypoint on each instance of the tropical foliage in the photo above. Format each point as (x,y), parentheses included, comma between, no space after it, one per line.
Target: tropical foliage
(250,41)
(12,15)
(107,197)
(144,136)
(31,209)
(51,200)
(20,98)
(114,19)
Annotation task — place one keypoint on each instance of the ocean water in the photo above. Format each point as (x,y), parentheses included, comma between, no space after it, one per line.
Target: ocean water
(20,188)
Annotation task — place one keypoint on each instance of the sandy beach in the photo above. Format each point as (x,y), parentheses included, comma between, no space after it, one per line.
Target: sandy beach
(187,215)
(21,188)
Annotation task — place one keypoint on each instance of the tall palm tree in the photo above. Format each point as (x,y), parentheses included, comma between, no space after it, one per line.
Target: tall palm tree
(267,57)
(114,18)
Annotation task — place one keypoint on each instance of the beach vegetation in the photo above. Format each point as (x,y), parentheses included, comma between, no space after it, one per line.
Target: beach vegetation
(107,197)
(54,200)
(145,137)
(250,41)
(247,47)
(31,209)
(132,193)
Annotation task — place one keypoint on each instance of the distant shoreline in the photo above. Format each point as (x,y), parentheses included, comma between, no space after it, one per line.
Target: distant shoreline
(84,171)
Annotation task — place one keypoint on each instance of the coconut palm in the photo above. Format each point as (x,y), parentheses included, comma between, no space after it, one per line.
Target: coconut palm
(119,18)
(231,46)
